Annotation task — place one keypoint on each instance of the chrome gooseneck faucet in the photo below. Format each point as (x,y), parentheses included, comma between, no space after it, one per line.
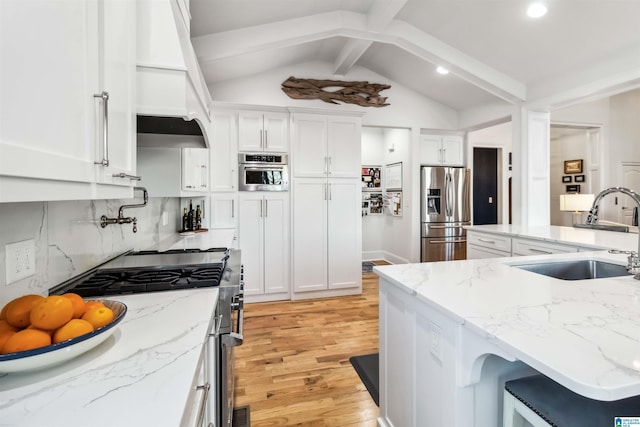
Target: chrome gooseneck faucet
(104,220)
(633,261)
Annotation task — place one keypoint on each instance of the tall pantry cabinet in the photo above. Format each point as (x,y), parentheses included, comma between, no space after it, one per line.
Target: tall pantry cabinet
(326,198)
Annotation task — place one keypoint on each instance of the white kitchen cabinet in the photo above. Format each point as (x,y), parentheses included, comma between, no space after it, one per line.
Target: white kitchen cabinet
(173,172)
(57,151)
(327,235)
(442,150)
(195,169)
(264,241)
(263,131)
(224,152)
(521,247)
(224,210)
(326,146)
(484,245)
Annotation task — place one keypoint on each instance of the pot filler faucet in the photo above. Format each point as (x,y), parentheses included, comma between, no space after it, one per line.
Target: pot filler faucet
(633,261)
(104,220)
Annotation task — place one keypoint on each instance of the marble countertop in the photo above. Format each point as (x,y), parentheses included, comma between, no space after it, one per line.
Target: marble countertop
(594,239)
(140,376)
(584,334)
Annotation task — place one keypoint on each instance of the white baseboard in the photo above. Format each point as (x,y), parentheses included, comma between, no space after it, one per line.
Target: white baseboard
(385,256)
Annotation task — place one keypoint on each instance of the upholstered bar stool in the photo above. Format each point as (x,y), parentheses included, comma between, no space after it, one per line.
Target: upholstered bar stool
(543,402)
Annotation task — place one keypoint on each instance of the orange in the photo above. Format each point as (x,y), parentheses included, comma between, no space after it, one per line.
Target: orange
(98,316)
(73,328)
(92,303)
(5,326)
(4,336)
(52,312)
(26,339)
(18,310)
(78,303)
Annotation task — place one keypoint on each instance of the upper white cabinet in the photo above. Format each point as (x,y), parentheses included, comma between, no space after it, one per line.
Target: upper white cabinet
(442,150)
(67,131)
(326,146)
(224,210)
(263,131)
(195,169)
(224,152)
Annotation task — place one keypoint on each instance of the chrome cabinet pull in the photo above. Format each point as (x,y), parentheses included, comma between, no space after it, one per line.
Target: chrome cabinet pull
(203,176)
(538,251)
(444,155)
(233,208)
(266,139)
(266,208)
(261,140)
(329,185)
(330,165)
(487,241)
(105,128)
(124,175)
(326,165)
(261,207)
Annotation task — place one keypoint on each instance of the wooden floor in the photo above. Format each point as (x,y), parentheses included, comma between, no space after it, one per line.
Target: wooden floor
(293,368)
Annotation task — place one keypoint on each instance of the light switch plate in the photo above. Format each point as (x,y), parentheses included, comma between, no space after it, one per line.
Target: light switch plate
(20,260)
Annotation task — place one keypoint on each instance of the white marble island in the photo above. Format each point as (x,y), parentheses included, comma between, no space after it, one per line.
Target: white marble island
(143,375)
(452,333)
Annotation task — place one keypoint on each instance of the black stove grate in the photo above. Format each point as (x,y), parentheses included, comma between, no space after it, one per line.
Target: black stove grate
(133,281)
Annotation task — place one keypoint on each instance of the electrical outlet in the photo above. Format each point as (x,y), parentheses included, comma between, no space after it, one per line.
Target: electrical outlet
(165,218)
(20,260)
(436,333)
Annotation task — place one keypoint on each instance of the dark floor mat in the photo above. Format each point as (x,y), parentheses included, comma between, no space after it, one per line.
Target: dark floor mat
(367,267)
(241,417)
(367,367)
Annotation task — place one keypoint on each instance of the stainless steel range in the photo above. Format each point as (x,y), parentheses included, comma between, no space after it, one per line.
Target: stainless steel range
(152,271)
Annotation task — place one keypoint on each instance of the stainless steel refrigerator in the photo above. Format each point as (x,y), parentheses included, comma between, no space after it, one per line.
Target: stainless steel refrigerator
(444,211)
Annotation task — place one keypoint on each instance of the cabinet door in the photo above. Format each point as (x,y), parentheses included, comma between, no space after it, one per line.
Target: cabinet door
(47,113)
(195,169)
(344,147)
(309,230)
(224,211)
(309,149)
(430,150)
(251,241)
(250,131)
(276,134)
(452,152)
(118,78)
(276,243)
(344,234)
(224,154)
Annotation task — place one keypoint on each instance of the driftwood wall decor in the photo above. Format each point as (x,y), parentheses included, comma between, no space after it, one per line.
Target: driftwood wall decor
(361,93)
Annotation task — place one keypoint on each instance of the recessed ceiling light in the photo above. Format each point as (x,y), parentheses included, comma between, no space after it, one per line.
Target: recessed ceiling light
(536,10)
(442,70)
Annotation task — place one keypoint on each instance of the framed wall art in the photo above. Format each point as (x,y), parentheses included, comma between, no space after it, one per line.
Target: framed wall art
(573,188)
(393,176)
(579,178)
(371,177)
(573,166)
(566,179)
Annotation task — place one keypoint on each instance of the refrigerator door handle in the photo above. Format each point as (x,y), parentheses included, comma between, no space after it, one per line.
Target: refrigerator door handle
(449,195)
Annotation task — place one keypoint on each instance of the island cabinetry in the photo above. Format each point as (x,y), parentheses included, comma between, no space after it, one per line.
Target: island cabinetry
(263,228)
(79,134)
(522,247)
(445,150)
(263,131)
(484,245)
(326,146)
(327,236)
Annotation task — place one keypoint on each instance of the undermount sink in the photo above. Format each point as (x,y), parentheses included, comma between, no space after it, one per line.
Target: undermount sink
(576,270)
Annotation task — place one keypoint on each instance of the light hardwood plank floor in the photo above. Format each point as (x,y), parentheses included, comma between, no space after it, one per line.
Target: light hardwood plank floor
(293,368)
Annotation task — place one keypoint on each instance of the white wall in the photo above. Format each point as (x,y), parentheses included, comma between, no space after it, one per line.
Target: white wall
(373,225)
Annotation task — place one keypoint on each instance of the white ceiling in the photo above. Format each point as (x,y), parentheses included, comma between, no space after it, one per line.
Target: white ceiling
(495,52)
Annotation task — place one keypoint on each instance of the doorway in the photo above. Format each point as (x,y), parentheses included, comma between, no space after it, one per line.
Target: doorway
(485,186)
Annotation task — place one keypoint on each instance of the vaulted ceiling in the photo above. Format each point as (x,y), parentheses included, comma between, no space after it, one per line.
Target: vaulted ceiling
(494,51)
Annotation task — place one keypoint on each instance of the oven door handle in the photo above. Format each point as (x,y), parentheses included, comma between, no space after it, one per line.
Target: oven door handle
(235,339)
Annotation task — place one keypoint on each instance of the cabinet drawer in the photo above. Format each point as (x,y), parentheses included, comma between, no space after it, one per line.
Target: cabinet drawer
(534,247)
(477,252)
(491,241)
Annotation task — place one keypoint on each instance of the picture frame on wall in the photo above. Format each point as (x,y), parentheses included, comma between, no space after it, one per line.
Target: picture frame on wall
(566,179)
(573,188)
(579,178)
(371,177)
(573,166)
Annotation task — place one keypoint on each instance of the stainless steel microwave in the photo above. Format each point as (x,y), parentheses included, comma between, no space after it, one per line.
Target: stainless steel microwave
(263,172)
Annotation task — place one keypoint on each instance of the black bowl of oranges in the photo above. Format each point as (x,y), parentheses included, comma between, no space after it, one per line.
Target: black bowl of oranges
(37,331)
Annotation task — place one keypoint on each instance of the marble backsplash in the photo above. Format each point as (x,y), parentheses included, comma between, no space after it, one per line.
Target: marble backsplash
(69,239)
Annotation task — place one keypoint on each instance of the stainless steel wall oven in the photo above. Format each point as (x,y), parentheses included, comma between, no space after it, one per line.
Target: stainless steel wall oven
(263,172)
